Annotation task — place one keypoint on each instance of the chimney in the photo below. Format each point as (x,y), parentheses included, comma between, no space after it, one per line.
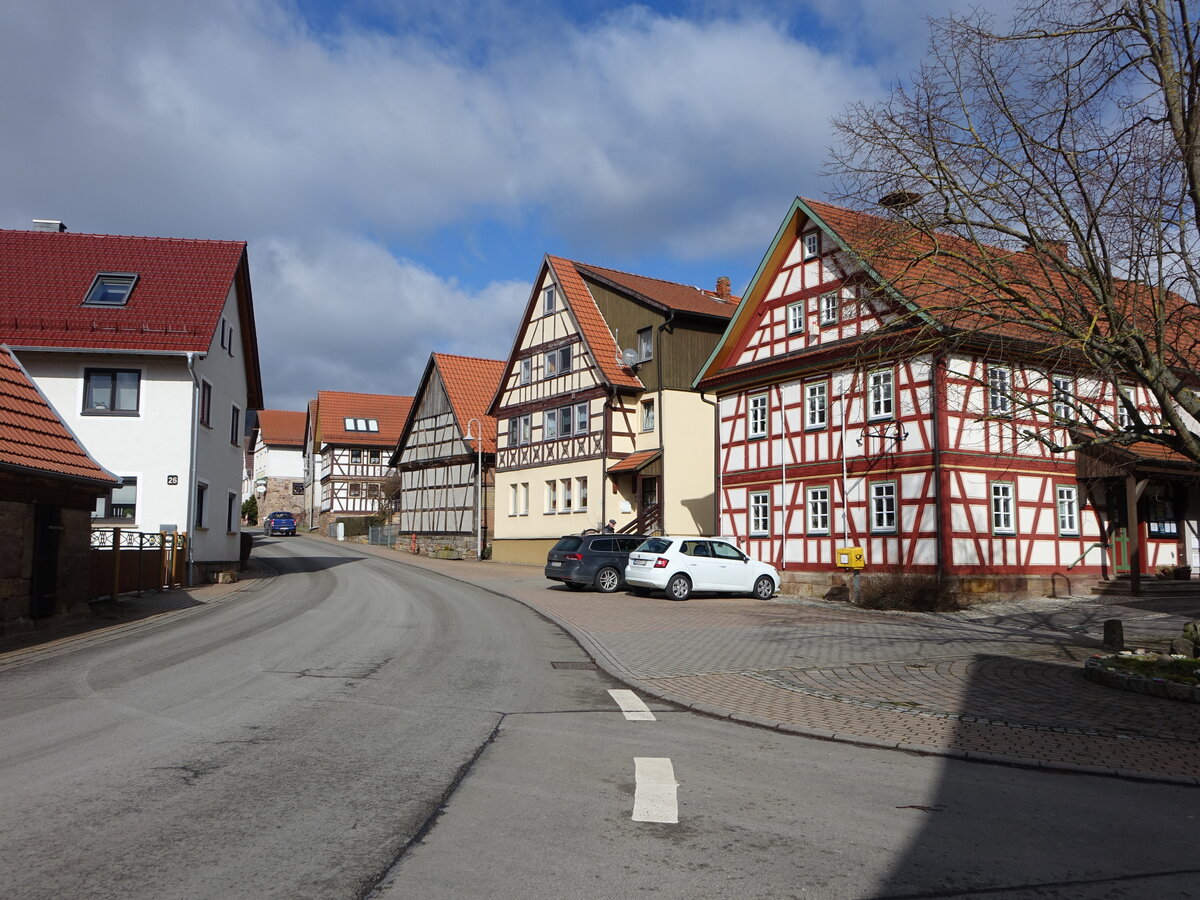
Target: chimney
(724,294)
(48,225)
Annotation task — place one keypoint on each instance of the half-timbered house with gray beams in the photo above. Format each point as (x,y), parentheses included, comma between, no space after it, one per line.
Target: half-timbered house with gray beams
(596,417)
(446,456)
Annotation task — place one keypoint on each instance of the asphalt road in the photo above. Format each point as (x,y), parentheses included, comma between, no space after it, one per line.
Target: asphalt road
(357,727)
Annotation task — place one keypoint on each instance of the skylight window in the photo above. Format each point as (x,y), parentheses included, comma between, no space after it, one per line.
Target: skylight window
(111,289)
(361,424)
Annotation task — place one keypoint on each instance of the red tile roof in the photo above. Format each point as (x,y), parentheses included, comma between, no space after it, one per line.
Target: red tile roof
(595,330)
(281,427)
(334,407)
(175,305)
(634,461)
(471,383)
(668,294)
(33,437)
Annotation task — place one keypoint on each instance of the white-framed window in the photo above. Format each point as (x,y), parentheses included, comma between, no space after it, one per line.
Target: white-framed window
(356,456)
(829,308)
(881,394)
(883,506)
(552,496)
(581,492)
(512,500)
(355,489)
(795,317)
(520,430)
(758,416)
(1062,397)
(1124,417)
(568,501)
(816,404)
(524,498)
(360,424)
(818,510)
(760,513)
(648,415)
(548,300)
(525,371)
(645,344)
(999,391)
(812,244)
(1068,509)
(558,362)
(526,423)
(1002,508)
(550,425)
(373,457)
(583,418)
(111,392)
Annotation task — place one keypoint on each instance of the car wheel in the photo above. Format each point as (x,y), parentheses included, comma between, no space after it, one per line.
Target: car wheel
(764,588)
(608,580)
(679,588)
(573,586)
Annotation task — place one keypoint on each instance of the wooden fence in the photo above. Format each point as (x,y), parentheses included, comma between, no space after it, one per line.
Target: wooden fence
(134,561)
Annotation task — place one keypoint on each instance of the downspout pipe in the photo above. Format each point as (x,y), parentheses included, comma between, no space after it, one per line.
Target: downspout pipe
(191,488)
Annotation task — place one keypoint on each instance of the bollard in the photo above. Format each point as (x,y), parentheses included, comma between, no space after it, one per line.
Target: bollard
(1114,634)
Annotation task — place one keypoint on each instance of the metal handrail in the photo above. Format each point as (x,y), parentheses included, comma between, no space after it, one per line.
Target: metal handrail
(1085,553)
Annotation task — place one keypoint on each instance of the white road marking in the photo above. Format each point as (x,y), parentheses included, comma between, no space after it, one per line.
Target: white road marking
(654,798)
(632,706)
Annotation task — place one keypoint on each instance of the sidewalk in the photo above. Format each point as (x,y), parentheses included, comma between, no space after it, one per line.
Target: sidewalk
(1002,683)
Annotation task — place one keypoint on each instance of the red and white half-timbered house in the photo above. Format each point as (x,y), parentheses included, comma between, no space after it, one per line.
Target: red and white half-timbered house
(349,439)
(597,419)
(836,430)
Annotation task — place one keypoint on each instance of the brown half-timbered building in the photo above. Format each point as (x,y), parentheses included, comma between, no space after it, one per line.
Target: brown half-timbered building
(445,457)
(596,417)
(349,442)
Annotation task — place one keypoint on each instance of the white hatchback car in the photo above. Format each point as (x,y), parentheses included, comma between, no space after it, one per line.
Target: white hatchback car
(681,565)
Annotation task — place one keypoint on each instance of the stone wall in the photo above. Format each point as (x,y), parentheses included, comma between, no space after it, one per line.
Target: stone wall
(970,590)
(16,567)
(279,498)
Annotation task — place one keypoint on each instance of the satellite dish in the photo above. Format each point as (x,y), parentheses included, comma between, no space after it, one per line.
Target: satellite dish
(629,357)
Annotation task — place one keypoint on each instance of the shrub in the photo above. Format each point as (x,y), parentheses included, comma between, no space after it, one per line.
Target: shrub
(898,590)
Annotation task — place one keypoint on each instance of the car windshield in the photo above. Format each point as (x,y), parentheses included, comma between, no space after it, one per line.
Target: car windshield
(655,545)
(569,542)
(279,516)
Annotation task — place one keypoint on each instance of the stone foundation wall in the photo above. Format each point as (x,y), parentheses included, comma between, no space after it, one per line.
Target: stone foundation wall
(970,589)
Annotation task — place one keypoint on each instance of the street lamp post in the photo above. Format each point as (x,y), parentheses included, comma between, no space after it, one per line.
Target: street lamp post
(478,485)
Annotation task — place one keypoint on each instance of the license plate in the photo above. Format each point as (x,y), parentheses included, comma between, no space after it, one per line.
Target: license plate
(638,562)
(555,562)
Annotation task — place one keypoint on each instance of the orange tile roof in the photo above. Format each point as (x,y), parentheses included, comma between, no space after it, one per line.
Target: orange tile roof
(634,461)
(680,297)
(33,437)
(281,427)
(471,383)
(596,333)
(334,407)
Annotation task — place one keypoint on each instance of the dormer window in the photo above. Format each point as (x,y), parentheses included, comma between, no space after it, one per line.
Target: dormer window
(360,424)
(110,289)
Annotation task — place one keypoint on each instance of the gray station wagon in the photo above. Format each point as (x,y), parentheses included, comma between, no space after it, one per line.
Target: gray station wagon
(592,560)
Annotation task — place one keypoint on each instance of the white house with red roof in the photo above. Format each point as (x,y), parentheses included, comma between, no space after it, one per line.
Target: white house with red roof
(597,419)
(446,456)
(277,456)
(147,348)
(48,488)
(859,409)
(349,438)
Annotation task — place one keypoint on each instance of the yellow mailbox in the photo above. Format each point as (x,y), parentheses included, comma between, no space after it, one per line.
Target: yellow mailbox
(850,558)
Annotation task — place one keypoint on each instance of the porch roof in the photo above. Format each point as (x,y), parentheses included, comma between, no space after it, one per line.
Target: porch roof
(634,462)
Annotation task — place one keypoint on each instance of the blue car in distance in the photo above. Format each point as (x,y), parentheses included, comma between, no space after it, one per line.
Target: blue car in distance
(279,523)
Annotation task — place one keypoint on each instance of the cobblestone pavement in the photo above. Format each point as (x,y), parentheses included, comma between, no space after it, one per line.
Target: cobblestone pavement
(1002,683)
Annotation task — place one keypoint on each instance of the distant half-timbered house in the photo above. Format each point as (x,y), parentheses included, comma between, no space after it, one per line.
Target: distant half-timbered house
(836,431)
(277,462)
(446,456)
(597,420)
(349,441)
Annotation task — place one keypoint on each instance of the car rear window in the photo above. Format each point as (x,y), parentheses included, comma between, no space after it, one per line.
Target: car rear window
(569,542)
(655,545)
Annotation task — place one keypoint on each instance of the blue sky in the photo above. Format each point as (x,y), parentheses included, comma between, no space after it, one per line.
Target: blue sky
(400,168)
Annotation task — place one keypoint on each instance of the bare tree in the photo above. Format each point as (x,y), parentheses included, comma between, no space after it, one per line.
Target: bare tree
(1040,187)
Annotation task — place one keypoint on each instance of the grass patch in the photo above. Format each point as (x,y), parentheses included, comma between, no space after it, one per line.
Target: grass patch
(1181,671)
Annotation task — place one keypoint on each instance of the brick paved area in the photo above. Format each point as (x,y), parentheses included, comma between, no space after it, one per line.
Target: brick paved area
(1002,683)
